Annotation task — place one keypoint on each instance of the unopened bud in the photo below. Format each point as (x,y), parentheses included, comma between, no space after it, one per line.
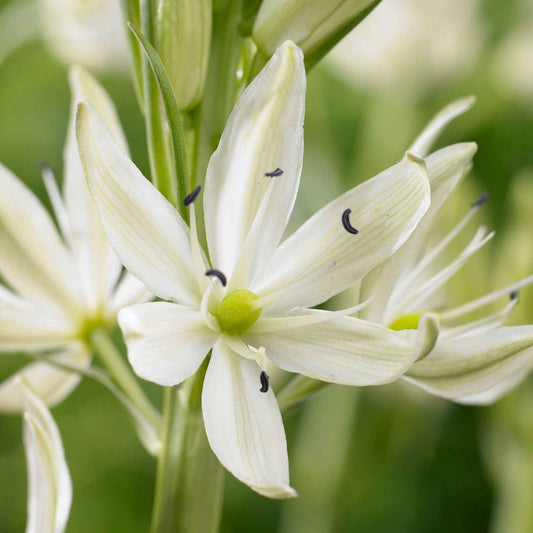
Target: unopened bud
(314,25)
(182,39)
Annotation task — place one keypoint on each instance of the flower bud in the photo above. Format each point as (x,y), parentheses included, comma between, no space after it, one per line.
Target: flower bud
(314,25)
(182,38)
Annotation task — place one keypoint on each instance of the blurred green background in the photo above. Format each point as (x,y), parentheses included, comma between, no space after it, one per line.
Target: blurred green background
(383,459)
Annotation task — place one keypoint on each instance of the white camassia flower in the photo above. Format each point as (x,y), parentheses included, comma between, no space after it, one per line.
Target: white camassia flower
(475,361)
(49,483)
(253,299)
(58,285)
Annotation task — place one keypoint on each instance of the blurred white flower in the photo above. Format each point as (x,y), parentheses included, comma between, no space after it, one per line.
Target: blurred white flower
(408,47)
(475,360)
(49,483)
(87,32)
(255,301)
(58,285)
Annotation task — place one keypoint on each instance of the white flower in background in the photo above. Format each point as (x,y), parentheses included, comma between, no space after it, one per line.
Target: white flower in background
(49,483)
(407,47)
(87,32)
(253,300)
(475,360)
(58,286)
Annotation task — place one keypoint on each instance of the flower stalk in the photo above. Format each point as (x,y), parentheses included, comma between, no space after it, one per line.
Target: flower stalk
(189,486)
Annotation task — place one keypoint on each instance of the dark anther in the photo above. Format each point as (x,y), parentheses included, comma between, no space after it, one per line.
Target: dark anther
(44,166)
(218,274)
(265,382)
(513,295)
(483,197)
(274,173)
(191,197)
(346,222)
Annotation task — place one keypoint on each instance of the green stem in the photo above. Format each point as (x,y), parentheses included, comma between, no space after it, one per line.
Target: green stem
(220,87)
(161,167)
(123,375)
(298,390)
(189,485)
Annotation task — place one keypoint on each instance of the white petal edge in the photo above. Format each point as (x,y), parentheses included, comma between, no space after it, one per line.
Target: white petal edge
(49,382)
(49,483)
(146,232)
(425,140)
(97,264)
(264,132)
(26,230)
(347,350)
(243,425)
(321,258)
(166,342)
(476,369)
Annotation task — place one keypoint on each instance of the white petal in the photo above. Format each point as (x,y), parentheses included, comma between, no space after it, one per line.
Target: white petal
(322,258)
(146,232)
(445,168)
(438,123)
(476,369)
(129,291)
(345,350)
(51,384)
(263,133)
(244,425)
(33,260)
(166,342)
(28,327)
(49,483)
(97,264)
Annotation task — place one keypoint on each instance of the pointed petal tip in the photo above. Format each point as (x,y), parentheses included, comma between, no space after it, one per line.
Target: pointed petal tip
(428,333)
(274,491)
(417,160)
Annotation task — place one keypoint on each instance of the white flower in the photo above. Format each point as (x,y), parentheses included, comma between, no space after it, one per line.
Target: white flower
(474,360)
(264,308)
(49,483)
(58,286)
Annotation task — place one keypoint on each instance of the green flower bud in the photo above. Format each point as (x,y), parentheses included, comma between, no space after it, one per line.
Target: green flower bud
(182,38)
(314,25)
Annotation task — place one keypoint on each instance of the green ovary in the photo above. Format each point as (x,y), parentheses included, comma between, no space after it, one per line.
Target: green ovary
(407,321)
(237,311)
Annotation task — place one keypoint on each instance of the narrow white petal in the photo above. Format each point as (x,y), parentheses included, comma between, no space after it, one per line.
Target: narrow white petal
(129,291)
(423,143)
(345,350)
(263,133)
(50,383)
(28,327)
(244,425)
(166,342)
(33,260)
(478,303)
(97,264)
(322,258)
(146,232)
(446,168)
(49,483)
(415,300)
(476,369)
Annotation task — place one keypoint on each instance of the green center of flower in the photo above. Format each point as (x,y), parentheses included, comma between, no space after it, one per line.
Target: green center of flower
(237,311)
(407,321)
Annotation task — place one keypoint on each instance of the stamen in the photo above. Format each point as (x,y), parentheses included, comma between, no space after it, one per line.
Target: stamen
(218,274)
(265,381)
(346,222)
(275,173)
(483,197)
(191,197)
(513,295)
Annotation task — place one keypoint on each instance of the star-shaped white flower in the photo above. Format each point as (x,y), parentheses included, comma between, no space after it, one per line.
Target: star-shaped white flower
(255,301)
(58,285)
(475,360)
